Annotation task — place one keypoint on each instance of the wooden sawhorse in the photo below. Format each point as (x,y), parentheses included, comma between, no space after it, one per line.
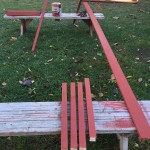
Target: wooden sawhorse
(25,20)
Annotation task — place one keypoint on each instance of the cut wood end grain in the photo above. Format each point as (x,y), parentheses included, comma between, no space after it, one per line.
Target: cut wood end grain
(81,148)
(73,149)
(92,139)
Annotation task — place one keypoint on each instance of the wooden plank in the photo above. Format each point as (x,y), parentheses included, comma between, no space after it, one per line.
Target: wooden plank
(64,119)
(81,118)
(99,16)
(40,25)
(90,114)
(73,118)
(23,13)
(134,108)
(40,118)
(112,1)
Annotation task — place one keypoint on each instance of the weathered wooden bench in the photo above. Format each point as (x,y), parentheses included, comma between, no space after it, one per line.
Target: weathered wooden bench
(25,20)
(42,118)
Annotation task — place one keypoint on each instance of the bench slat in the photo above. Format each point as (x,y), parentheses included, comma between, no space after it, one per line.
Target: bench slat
(49,16)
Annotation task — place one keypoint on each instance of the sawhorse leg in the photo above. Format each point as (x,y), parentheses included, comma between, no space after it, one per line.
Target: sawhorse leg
(123,144)
(24,23)
(78,7)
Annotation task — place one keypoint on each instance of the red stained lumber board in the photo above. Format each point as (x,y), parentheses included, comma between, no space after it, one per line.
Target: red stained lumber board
(23,13)
(90,114)
(112,1)
(73,118)
(81,118)
(40,25)
(134,108)
(64,119)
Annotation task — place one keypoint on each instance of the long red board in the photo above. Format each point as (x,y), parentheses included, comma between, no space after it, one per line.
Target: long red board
(64,119)
(90,113)
(73,119)
(134,108)
(112,1)
(81,120)
(23,13)
(40,25)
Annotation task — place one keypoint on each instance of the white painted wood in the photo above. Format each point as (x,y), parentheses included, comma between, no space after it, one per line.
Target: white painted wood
(21,29)
(38,118)
(123,141)
(49,16)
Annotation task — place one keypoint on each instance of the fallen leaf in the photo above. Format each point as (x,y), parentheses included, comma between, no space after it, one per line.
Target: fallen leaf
(4,84)
(140,79)
(77,74)
(112,77)
(31,91)
(115,44)
(92,95)
(9,138)
(137,58)
(116,17)
(29,70)
(94,58)
(51,46)
(13,39)
(136,145)
(21,82)
(148,61)
(51,94)
(100,94)
(99,54)
(50,60)
(128,77)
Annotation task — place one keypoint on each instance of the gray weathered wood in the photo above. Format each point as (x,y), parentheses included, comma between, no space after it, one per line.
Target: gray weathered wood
(49,16)
(39,118)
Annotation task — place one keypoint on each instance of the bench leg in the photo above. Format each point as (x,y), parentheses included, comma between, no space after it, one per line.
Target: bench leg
(123,141)
(89,23)
(24,23)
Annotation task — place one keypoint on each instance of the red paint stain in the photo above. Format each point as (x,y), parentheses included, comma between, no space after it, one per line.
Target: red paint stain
(114,105)
(121,123)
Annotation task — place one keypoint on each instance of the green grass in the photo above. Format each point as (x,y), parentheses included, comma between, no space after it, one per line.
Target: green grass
(73,51)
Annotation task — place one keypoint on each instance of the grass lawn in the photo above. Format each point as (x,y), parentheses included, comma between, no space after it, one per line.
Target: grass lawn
(65,53)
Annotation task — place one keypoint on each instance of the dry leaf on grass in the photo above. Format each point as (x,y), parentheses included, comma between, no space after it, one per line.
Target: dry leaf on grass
(92,95)
(100,94)
(112,77)
(4,84)
(140,79)
(116,17)
(13,39)
(128,77)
